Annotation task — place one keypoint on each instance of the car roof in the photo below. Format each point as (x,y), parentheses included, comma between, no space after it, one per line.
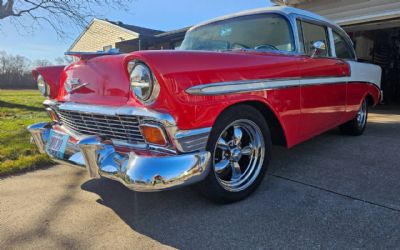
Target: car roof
(274,9)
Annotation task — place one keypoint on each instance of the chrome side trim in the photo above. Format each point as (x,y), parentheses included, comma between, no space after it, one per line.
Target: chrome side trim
(192,140)
(268,84)
(241,86)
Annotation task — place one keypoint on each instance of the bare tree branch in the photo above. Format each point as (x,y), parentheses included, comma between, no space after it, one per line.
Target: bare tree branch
(56,13)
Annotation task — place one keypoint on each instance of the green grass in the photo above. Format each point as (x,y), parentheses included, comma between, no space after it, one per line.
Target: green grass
(18,109)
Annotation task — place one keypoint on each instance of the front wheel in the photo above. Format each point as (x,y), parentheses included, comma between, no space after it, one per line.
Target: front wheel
(357,125)
(240,144)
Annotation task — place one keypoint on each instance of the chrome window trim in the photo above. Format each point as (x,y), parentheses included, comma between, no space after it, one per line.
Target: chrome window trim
(313,21)
(329,24)
(291,14)
(284,15)
(348,41)
(331,42)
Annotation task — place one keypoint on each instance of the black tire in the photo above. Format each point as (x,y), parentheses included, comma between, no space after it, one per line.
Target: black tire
(357,125)
(245,115)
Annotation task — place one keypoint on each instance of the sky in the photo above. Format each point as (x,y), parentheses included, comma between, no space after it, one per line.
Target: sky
(43,43)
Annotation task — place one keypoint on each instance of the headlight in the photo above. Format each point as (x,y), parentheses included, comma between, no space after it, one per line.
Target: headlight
(143,84)
(43,86)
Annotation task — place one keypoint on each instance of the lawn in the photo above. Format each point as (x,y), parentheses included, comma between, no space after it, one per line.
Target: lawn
(18,109)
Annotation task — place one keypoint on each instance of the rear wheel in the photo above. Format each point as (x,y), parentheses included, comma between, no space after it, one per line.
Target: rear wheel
(240,145)
(357,125)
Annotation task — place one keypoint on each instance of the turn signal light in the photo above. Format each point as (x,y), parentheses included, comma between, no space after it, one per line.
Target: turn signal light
(153,134)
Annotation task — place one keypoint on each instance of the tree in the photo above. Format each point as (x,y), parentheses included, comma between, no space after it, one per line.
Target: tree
(56,13)
(15,71)
(41,63)
(63,60)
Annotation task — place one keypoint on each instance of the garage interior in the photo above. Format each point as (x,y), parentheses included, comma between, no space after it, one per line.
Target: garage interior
(379,43)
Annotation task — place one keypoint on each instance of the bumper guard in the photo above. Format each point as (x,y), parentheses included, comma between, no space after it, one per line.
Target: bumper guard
(138,172)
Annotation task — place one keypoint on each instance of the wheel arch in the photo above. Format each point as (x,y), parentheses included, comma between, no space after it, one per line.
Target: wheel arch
(370,99)
(372,95)
(278,134)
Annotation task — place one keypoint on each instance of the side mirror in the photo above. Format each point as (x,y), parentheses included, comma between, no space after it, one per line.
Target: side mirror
(318,47)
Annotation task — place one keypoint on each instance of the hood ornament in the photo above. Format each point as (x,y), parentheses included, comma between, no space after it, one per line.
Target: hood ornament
(72,84)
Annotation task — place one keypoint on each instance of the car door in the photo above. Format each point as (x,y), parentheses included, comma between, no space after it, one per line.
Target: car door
(322,83)
(345,51)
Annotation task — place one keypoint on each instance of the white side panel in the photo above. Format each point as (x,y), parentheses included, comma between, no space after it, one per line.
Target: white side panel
(365,72)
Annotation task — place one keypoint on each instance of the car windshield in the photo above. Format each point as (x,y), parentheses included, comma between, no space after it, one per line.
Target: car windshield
(255,32)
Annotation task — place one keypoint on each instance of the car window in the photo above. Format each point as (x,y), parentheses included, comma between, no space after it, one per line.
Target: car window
(313,33)
(342,48)
(259,32)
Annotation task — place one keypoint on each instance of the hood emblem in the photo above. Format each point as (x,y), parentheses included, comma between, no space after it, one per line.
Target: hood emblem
(73,84)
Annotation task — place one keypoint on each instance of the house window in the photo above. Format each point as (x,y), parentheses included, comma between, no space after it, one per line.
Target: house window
(107,48)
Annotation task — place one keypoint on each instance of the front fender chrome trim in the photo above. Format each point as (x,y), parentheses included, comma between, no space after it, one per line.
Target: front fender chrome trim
(242,86)
(192,140)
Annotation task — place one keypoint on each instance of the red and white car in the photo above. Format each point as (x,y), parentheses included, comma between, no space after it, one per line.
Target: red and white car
(207,114)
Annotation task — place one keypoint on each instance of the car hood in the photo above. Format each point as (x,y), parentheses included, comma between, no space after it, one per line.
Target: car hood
(105,79)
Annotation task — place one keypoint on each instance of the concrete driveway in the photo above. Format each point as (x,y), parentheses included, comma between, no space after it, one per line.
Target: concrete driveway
(331,192)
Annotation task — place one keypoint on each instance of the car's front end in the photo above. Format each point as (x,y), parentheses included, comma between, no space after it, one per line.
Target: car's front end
(151,119)
(113,122)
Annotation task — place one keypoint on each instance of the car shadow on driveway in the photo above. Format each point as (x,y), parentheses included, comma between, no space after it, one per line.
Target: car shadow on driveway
(281,214)
(333,191)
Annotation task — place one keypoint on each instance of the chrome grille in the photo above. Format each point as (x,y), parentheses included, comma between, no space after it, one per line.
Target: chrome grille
(117,127)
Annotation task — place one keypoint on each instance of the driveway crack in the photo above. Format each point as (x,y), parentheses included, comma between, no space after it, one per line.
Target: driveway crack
(334,192)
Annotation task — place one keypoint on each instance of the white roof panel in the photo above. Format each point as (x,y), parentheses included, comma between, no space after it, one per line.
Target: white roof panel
(274,9)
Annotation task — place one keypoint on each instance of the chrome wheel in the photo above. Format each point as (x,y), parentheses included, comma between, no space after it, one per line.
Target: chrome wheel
(362,115)
(238,155)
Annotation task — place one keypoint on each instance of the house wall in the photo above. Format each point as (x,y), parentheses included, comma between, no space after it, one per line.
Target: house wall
(100,34)
(349,12)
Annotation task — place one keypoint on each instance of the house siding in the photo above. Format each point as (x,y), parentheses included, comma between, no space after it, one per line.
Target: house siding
(100,34)
(349,12)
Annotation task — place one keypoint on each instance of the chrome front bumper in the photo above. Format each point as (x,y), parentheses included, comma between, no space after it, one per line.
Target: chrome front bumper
(138,170)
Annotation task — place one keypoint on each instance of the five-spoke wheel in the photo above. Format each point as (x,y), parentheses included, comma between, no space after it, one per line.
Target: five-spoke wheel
(240,144)
(238,155)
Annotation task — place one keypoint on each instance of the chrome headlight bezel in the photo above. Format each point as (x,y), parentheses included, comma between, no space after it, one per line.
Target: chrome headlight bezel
(143,84)
(42,85)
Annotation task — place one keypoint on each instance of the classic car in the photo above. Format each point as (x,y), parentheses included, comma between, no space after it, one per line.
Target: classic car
(208,113)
